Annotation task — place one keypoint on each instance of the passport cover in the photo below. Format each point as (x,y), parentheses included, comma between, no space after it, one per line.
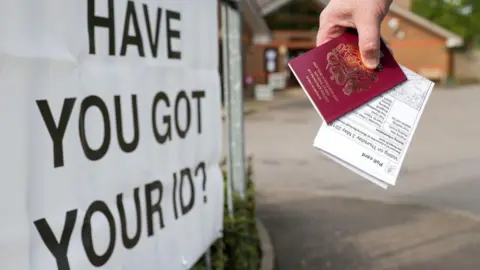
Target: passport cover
(335,79)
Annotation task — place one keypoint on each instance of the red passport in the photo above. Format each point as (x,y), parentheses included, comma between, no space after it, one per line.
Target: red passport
(335,79)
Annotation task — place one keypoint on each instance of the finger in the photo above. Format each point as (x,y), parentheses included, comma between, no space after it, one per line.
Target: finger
(369,41)
(328,33)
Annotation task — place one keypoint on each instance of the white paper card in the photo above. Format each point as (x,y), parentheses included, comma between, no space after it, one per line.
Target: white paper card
(373,139)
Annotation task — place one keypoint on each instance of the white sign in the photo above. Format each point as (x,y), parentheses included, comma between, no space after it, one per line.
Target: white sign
(111,134)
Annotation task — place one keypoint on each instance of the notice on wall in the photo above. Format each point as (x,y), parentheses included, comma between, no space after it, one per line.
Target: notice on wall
(111,134)
(277,80)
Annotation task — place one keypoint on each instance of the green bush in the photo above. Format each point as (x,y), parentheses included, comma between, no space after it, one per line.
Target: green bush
(238,249)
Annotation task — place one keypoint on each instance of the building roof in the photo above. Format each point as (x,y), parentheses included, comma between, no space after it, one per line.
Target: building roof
(269,6)
(255,19)
(451,39)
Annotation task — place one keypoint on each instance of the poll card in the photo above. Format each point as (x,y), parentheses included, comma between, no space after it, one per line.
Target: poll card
(373,139)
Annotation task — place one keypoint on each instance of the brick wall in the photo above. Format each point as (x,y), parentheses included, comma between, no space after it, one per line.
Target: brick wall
(253,56)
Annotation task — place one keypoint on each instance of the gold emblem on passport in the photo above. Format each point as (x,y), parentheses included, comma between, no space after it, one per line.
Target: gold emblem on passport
(345,66)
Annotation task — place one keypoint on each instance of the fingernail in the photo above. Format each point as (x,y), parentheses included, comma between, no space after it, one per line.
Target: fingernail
(371,63)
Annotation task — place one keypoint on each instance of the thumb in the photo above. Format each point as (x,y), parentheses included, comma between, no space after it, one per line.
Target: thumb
(369,42)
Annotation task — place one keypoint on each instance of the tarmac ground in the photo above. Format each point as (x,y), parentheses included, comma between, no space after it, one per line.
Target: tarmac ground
(322,216)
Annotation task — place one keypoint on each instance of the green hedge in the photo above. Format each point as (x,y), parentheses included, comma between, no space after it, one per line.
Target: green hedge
(238,249)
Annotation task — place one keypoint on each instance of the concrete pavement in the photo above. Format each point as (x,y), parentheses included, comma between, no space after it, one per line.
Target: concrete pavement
(311,207)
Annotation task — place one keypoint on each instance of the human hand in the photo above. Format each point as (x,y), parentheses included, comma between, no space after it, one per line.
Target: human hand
(364,15)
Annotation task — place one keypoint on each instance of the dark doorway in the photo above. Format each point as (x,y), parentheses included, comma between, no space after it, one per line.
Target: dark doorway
(292,53)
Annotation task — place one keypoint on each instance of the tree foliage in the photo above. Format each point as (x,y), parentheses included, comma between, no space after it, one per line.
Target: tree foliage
(459,16)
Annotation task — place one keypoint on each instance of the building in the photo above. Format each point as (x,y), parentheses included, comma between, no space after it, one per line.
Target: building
(254,33)
(417,43)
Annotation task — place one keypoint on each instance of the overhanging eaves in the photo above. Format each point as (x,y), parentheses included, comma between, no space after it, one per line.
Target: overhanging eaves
(452,40)
(254,18)
(270,6)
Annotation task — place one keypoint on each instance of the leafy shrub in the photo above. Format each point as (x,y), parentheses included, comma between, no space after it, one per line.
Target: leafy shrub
(238,249)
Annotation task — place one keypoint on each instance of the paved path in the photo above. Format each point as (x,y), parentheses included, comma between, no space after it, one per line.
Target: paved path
(308,202)
(312,232)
